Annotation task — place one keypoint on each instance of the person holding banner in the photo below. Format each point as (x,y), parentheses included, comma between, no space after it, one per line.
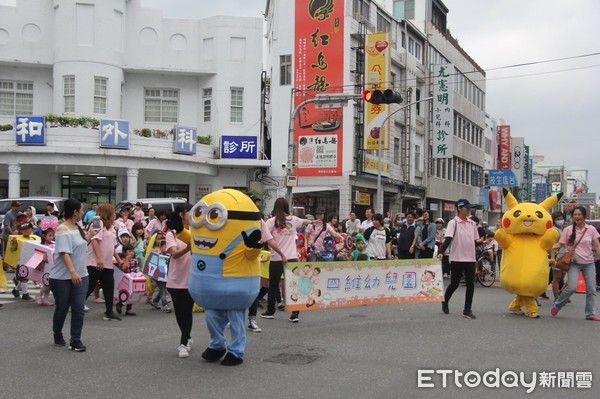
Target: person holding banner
(462,233)
(282,229)
(379,239)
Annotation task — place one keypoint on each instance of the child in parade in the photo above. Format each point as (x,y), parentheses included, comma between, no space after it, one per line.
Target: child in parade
(138,214)
(139,242)
(26,232)
(129,264)
(160,246)
(48,227)
(360,253)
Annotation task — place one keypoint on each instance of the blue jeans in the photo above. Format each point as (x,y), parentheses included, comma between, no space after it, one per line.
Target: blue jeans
(68,295)
(161,294)
(216,320)
(589,275)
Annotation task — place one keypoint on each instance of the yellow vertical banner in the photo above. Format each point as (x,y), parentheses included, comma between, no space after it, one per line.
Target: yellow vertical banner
(377,77)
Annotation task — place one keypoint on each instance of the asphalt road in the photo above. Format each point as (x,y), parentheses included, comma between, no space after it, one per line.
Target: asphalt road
(361,352)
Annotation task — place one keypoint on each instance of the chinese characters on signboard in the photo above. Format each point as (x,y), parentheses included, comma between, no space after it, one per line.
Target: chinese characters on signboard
(443,110)
(503,178)
(321,285)
(114,133)
(185,140)
(30,130)
(239,147)
(318,60)
(377,67)
(371,166)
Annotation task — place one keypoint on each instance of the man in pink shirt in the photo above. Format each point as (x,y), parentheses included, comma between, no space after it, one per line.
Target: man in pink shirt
(462,233)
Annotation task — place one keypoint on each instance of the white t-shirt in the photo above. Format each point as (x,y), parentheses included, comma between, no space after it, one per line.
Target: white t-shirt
(365,225)
(352,227)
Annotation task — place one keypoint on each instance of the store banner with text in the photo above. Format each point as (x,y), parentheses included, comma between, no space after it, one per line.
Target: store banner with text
(319,69)
(321,285)
(504,147)
(377,77)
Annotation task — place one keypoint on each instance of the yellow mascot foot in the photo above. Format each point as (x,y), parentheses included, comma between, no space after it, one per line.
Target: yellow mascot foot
(516,311)
(533,315)
(197,309)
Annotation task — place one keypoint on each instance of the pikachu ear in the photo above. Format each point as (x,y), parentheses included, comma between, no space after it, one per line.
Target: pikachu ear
(549,202)
(511,201)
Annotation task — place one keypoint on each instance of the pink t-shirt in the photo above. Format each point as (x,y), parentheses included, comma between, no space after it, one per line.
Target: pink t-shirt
(107,239)
(285,237)
(155,224)
(313,232)
(179,269)
(583,251)
(463,233)
(138,216)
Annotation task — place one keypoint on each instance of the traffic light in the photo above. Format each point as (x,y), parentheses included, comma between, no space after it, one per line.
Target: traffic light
(387,96)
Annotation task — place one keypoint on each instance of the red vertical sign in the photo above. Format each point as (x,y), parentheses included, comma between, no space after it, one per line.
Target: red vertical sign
(504,147)
(319,69)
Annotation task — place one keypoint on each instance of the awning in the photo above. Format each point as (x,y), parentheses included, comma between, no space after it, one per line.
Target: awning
(312,189)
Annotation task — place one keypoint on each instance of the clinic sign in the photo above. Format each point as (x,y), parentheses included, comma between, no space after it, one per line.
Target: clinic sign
(185,140)
(239,147)
(443,110)
(114,133)
(30,130)
(323,285)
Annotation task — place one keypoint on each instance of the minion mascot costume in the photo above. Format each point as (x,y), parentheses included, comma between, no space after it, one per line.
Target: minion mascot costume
(225,271)
(526,237)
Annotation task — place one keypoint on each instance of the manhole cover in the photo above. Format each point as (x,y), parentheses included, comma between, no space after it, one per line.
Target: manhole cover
(293,358)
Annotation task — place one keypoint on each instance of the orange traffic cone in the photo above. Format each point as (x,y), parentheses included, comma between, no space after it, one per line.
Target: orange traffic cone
(580,284)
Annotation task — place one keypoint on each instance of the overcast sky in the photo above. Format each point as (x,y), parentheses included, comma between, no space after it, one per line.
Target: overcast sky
(553,111)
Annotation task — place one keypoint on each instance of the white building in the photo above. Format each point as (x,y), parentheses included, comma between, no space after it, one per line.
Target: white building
(113,59)
(411,178)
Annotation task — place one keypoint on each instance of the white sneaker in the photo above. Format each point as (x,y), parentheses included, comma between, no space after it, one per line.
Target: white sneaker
(252,326)
(86,308)
(183,351)
(189,345)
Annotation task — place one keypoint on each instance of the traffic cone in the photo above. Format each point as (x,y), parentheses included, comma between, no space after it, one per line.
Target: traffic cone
(580,284)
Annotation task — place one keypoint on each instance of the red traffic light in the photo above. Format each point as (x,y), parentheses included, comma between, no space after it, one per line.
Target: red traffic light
(387,96)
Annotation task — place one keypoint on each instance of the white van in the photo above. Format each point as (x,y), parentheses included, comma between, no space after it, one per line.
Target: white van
(159,204)
(39,203)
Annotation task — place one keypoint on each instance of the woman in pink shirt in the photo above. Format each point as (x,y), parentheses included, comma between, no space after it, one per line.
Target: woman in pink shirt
(159,223)
(100,254)
(282,228)
(177,276)
(123,219)
(586,238)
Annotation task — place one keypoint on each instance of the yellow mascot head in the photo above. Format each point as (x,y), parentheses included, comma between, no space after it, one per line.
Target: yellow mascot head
(218,218)
(528,217)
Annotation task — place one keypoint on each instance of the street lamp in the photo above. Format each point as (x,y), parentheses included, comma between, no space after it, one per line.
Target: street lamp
(379,150)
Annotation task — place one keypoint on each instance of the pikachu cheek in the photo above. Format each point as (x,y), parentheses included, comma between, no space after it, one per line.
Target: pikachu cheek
(506,223)
(548,224)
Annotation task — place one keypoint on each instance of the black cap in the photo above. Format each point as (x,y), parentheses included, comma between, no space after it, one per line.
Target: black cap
(319,210)
(464,203)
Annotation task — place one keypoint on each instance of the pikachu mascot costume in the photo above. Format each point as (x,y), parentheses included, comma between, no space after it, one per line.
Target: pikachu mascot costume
(526,237)
(225,270)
